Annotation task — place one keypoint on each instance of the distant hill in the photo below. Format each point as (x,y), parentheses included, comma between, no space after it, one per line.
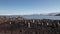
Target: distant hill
(54,14)
(57,15)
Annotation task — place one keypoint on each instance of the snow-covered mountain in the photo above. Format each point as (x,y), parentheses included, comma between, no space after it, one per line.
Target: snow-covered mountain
(49,14)
(57,14)
(54,14)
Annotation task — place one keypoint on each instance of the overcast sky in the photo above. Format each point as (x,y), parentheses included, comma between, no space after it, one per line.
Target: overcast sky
(26,7)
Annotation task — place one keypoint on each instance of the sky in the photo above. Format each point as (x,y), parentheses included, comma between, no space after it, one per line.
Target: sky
(27,7)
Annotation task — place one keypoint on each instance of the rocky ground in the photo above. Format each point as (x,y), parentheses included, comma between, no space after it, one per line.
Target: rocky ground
(26,26)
